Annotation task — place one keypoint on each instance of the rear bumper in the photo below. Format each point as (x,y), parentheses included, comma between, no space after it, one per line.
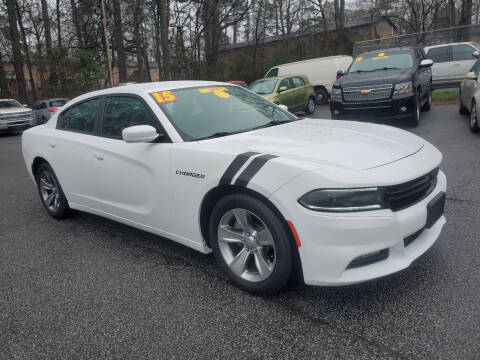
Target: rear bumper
(399,107)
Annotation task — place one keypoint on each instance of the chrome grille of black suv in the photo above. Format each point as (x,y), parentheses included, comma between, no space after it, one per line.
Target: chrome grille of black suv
(367,93)
(398,197)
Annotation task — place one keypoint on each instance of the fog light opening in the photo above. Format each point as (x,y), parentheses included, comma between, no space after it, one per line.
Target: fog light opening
(336,112)
(369,258)
(403,109)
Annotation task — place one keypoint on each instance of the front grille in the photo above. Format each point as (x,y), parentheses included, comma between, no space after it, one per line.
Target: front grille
(367,93)
(25,116)
(398,197)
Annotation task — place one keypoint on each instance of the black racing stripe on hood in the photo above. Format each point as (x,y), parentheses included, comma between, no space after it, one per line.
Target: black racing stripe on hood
(236,165)
(252,168)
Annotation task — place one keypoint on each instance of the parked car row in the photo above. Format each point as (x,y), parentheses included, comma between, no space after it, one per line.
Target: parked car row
(469,96)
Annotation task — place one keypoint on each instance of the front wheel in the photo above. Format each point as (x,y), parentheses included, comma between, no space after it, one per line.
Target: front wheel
(474,119)
(250,244)
(310,109)
(428,104)
(415,117)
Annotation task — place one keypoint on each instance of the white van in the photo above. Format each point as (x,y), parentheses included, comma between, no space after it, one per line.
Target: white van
(452,61)
(321,72)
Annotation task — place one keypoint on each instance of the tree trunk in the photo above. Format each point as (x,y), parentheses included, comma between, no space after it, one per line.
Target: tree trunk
(325,27)
(27,53)
(118,39)
(148,76)
(48,44)
(4,90)
(211,30)
(59,26)
(107,45)
(16,50)
(164,21)
(76,23)
(137,18)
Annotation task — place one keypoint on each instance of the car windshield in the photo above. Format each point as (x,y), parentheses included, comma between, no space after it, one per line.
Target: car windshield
(263,86)
(381,61)
(205,112)
(5,104)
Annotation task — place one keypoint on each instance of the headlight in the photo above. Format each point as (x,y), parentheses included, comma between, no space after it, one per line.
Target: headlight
(343,200)
(403,88)
(336,93)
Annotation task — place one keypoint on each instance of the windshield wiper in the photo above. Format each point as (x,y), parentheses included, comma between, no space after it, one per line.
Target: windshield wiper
(219,134)
(390,68)
(271,123)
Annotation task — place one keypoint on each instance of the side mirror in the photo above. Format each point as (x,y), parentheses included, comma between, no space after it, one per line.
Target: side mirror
(476,53)
(283,107)
(25,105)
(340,73)
(426,63)
(471,76)
(282,89)
(139,134)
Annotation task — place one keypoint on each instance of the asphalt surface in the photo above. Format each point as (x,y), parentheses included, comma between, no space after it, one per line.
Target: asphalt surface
(87,287)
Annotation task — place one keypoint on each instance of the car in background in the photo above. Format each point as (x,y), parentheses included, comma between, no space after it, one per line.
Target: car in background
(320,72)
(293,91)
(384,84)
(44,109)
(15,116)
(238,82)
(452,62)
(469,96)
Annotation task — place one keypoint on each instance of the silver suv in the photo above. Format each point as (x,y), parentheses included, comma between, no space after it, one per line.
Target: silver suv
(14,116)
(451,62)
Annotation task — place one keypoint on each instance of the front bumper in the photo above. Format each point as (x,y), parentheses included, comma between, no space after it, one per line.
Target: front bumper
(331,241)
(17,124)
(398,107)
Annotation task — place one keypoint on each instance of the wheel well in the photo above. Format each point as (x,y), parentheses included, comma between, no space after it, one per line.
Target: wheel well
(36,163)
(217,193)
(317,87)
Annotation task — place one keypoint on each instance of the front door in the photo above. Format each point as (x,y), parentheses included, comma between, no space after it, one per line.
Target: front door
(132,178)
(287,97)
(462,61)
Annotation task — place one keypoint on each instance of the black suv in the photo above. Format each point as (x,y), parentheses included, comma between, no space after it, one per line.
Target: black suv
(384,84)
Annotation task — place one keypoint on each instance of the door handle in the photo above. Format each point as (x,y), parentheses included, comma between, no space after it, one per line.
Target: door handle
(98,156)
(52,144)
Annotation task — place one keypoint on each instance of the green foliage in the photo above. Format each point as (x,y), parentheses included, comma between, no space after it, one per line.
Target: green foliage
(87,69)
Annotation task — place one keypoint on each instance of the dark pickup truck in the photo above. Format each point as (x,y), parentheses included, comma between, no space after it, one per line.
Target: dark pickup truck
(385,84)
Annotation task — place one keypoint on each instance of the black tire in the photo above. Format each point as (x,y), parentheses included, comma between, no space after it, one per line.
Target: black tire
(461,107)
(415,116)
(321,95)
(474,127)
(310,108)
(57,207)
(282,268)
(428,104)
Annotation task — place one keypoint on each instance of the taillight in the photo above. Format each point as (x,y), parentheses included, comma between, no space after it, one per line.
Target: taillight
(52,109)
(338,76)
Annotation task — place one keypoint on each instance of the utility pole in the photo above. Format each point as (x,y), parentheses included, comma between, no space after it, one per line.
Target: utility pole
(107,45)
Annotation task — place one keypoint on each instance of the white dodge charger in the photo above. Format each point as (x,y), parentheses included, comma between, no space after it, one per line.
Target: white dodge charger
(218,168)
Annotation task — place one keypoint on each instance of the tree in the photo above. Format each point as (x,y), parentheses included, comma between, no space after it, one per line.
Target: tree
(4,90)
(164,21)
(118,42)
(48,43)
(16,50)
(27,53)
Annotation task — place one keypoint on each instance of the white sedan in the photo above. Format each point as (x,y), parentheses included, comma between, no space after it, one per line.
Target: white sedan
(217,168)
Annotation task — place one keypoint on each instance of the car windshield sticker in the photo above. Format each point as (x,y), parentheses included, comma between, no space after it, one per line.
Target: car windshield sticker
(358,59)
(221,92)
(380,56)
(163,97)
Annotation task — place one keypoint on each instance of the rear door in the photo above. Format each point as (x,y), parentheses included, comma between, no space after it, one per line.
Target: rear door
(440,68)
(462,61)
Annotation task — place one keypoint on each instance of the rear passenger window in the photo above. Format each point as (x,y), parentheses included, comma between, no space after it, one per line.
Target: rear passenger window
(462,52)
(81,117)
(298,82)
(121,112)
(439,54)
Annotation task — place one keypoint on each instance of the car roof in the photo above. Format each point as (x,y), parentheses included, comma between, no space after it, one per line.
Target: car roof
(8,100)
(448,44)
(280,77)
(54,99)
(146,88)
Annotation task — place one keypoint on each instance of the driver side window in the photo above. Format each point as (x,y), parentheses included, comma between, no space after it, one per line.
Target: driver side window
(122,112)
(286,83)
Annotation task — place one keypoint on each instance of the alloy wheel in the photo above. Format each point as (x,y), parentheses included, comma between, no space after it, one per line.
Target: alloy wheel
(246,245)
(473,116)
(49,191)
(311,105)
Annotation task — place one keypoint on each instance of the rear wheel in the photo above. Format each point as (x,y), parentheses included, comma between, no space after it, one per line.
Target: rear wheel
(250,244)
(321,95)
(51,193)
(474,119)
(310,109)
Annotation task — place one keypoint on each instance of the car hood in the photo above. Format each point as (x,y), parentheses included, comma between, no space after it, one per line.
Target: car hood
(17,110)
(346,144)
(375,78)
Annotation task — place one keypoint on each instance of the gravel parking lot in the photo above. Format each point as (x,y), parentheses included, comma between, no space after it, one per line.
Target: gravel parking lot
(87,287)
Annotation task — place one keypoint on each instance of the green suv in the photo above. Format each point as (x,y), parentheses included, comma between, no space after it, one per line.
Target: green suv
(293,91)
